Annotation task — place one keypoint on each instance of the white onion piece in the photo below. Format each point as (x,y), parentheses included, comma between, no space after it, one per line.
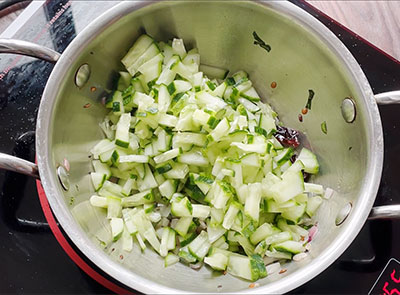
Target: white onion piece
(328,193)
(273,268)
(300,256)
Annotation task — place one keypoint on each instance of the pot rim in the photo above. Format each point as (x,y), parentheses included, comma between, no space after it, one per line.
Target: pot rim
(350,228)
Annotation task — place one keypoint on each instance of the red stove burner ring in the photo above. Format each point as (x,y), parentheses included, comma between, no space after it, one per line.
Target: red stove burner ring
(68,248)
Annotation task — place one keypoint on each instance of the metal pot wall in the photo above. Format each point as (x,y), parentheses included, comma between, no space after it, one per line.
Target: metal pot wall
(305,55)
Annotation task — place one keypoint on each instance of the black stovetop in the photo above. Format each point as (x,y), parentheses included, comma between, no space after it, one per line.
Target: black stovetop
(33,261)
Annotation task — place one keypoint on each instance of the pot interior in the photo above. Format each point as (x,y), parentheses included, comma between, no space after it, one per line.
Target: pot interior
(222,31)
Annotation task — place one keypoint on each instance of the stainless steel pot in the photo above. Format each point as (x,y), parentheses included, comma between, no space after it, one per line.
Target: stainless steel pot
(305,55)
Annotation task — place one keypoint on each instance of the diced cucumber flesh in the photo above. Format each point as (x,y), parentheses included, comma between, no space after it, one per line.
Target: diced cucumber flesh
(217,261)
(170,259)
(313,204)
(117,227)
(309,160)
(182,226)
(289,246)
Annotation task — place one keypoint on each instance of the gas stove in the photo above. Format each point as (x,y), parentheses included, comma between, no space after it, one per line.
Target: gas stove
(37,257)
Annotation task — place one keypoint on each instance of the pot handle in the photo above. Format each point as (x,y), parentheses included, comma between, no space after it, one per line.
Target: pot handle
(392,97)
(30,49)
(8,162)
(389,211)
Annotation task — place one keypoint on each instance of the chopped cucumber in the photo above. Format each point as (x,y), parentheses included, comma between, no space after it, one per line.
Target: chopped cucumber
(190,165)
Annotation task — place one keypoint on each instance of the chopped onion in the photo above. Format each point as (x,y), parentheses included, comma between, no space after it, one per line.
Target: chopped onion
(300,256)
(273,268)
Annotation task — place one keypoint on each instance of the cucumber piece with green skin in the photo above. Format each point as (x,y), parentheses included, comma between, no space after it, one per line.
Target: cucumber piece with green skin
(170,259)
(127,215)
(168,155)
(117,227)
(222,194)
(252,203)
(178,86)
(258,266)
(194,158)
(146,229)
(197,81)
(115,97)
(261,233)
(166,77)
(145,197)
(200,117)
(267,123)
(309,159)
(260,148)
(98,180)
(291,185)
(217,261)
(183,70)
(164,167)
(167,120)
(278,238)
(122,133)
(167,241)
(272,206)
(164,98)
(197,139)
(138,48)
(279,255)
(182,226)
(294,213)
(168,188)
(199,246)
(127,241)
(114,207)
(179,171)
(181,207)
(112,188)
(142,100)
(210,101)
(230,215)
(186,255)
(200,211)
(289,246)
(313,204)
(129,184)
(250,94)
(178,47)
(219,90)
(151,69)
(148,182)
(140,241)
(218,243)
(219,131)
(249,268)
(284,156)
(312,188)
(245,244)
(150,52)
(98,201)
(186,240)
(251,107)
(102,146)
